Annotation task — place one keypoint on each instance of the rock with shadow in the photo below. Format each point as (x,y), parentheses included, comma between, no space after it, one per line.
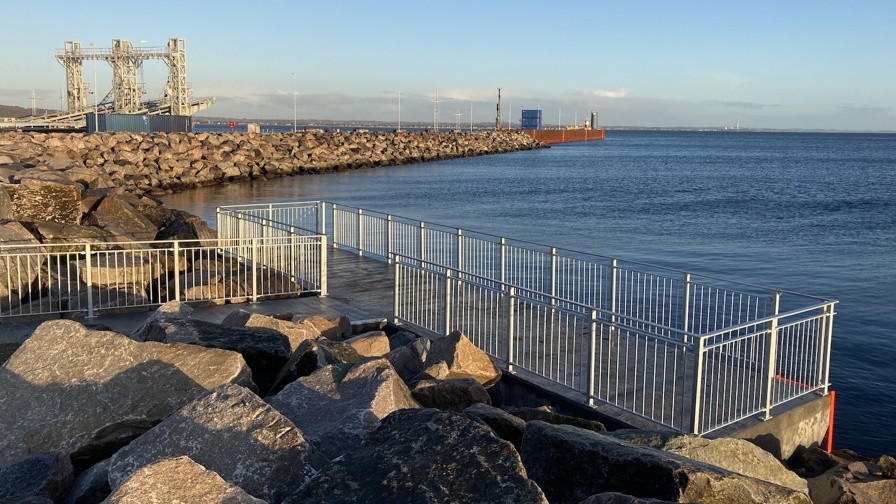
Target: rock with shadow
(89,393)
(338,404)
(47,475)
(572,464)
(232,432)
(425,456)
(179,479)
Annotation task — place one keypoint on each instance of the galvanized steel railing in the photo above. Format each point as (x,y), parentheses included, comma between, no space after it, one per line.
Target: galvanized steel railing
(42,279)
(691,352)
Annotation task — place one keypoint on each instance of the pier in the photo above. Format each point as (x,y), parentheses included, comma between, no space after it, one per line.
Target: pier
(648,347)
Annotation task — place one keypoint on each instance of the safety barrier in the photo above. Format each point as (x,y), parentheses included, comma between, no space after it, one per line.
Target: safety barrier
(691,352)
(43,279)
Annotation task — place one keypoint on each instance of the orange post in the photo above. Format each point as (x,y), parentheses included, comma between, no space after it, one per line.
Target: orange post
(830,436)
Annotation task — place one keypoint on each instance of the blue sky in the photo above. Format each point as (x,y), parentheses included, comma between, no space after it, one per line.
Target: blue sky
(766,64)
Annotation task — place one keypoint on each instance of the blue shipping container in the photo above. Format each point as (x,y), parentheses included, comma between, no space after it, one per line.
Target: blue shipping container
(531,119)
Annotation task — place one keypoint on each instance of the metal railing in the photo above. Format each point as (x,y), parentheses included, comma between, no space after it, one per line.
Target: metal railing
(42,279)
(691,352)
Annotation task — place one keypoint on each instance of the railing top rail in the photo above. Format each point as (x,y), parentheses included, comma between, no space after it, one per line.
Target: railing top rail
(268,205)
(285,225)
(564,307)
(155,244)
(695,277)
(766,320)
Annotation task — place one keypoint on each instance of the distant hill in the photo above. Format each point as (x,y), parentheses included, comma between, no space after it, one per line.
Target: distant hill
(13,111)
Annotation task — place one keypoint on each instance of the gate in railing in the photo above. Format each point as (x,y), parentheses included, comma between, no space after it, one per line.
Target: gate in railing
(251,264)
(694,353)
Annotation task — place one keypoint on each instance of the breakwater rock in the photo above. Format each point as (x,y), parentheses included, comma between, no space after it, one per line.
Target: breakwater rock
(177,421)
(162,163)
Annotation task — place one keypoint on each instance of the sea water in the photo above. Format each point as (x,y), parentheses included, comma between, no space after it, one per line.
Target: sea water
(808,212)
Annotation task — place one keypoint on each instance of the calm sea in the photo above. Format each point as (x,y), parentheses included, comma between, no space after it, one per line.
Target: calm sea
(805,212)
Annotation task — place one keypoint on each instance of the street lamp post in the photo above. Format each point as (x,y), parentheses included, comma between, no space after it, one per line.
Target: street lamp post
(294,116)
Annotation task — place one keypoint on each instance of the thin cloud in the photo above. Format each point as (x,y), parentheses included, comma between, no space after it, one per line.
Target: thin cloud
(612,93)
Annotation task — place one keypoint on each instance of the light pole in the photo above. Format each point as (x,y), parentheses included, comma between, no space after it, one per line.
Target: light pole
(294,127)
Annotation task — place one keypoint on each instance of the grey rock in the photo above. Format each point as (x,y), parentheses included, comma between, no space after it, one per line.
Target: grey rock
(335,407)
(855,480)
(5,204)
(370,344)
(20,273)
(297,333)
(502,423)
(47,475)
(406,362)
(310,356)
(90,392)
(455,356)
(425,456)
(401,339)
(232,432)
(91,486)
(46,200)
(368,325)
(12,335)
(334,330)
(548,415)
(572,464)
(618,498)
(266,352)
(150,329)
(59,234)
(116,215)
(453,395)
(179,479)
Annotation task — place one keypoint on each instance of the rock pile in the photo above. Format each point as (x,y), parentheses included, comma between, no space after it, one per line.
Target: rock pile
(161,163)
(173,412)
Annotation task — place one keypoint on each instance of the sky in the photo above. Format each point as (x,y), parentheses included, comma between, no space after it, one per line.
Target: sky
(761,64)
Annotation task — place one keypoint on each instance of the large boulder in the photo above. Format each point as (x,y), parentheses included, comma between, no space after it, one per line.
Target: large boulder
(87,392)
(370,344)
(548,415)
(114,214)
(152,330)
(334,408)
(92,485)
(178,479)
(736,455)
(455,356)
(230,431)
(59,234)
(312,355)
(266,352)
(297,333)
(46,200)
(20,272)
(572,464)
(457,394)
(47,475)
(425,456)
(502,423)
(855,480)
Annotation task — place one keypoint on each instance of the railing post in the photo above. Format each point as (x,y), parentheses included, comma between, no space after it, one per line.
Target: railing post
(389,239)
(770,358)
(396,285)
(686,298)
(422,241)
(321,218)
(553,279)
(511,295)
(254,263)
(828,334)
(697,387)
(614,288)
(460,249)
(360,232)
(447,319)
(89,261)
(501,277)
(592,357)
(335,228)
(176,248)
(323,265)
